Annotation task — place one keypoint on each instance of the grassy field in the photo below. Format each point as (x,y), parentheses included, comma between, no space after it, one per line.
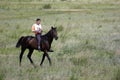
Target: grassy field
(88,47)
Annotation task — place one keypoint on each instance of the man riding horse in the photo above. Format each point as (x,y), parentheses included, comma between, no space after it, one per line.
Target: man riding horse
(30,43)
(37,29)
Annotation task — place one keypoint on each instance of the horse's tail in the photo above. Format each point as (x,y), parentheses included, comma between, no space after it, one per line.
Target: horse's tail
(19,42)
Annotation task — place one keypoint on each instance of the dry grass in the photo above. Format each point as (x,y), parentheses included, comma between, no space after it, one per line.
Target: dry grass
(88,45)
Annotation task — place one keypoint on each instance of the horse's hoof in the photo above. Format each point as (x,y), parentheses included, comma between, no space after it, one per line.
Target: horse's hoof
(20,64)
(50,64)
(40,65)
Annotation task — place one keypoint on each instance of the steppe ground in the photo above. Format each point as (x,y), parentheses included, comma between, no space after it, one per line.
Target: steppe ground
(88,47)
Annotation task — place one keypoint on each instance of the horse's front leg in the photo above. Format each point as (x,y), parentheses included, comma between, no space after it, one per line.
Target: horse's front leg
(49,59)
(43,58)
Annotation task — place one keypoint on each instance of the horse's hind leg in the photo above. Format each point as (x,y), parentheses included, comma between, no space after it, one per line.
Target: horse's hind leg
(29,56)
(21,54)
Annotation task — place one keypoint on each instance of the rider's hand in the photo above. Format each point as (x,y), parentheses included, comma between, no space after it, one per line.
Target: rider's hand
(39,31)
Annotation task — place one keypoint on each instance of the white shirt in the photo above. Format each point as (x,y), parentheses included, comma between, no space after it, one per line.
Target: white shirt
(37,27)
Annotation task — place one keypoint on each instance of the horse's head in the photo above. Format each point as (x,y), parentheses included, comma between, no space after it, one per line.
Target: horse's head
(54,33)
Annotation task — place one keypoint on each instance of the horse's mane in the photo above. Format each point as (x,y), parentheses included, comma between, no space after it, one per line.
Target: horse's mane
(47,34)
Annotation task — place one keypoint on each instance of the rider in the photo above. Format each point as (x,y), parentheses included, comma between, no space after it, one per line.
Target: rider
(37,29)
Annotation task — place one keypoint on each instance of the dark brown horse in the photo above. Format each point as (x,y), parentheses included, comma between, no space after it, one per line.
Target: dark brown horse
(30,43)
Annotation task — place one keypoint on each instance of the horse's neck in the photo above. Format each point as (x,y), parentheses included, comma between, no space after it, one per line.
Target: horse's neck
(50,40)
(49,37)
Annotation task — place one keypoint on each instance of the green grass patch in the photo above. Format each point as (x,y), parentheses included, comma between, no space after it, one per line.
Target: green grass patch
(88,44)
(79,61)
(47,6)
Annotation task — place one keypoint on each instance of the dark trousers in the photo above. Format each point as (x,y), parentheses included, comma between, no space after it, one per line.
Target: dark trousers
(38,36)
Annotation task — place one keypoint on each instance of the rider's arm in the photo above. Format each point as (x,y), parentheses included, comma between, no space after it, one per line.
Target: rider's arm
(34,29)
